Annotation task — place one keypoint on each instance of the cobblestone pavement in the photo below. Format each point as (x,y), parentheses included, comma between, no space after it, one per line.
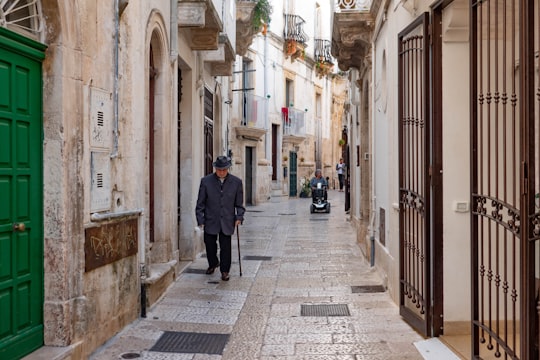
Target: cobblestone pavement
(291,259)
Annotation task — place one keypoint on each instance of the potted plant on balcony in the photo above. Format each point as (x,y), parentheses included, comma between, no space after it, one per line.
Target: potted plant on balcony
(261,15)
(290,47)
(324,67)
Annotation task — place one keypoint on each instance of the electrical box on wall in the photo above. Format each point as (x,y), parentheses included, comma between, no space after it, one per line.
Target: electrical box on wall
(101,114)
(100,191)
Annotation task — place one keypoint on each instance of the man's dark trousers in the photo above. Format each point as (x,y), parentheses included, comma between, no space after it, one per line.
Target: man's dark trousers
(210,241)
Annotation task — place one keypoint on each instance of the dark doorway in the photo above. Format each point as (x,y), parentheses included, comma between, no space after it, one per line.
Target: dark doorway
(249,176)
(152,72)
(274,151)
(293,189)
(208,131)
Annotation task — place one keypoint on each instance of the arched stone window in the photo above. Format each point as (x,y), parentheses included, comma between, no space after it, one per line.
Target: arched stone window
(22,16)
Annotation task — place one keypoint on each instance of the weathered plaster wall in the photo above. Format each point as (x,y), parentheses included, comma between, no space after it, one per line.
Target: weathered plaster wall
(86,309)
(63,184)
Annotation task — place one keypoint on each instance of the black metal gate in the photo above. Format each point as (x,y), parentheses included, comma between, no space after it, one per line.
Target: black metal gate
(414,187)
(505,159)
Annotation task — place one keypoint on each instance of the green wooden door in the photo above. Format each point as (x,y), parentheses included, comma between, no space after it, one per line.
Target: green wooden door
(21,234)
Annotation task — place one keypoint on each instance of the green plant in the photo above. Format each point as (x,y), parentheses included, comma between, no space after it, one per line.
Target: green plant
(261,14)
(306,187)
(341,142)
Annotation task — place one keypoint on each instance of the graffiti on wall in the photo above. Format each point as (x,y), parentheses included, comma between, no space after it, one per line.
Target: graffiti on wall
(108,243)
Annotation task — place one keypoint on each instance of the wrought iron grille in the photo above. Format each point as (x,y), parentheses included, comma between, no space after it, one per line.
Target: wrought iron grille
(22,16)
(505,159)
(294,29)
(414,216)
(322,51)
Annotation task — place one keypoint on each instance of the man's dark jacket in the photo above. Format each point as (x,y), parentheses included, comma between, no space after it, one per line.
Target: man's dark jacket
(220,205)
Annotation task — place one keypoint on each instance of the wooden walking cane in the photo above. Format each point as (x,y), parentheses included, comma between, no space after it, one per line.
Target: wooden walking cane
(238,238)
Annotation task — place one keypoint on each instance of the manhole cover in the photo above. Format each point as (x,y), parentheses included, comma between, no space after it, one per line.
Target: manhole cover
(195,271)
(191,343)
(325,310)
(130,356)
(287,214)
(255,257)
(365,289)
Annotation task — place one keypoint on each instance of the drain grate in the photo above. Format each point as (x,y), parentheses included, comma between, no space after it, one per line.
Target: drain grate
(365,289)
(325,310)
(255,257)
(191,343)
(195,271)
(318,219)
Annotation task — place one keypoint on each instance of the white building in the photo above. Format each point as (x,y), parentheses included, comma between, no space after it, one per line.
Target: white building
(443,126)
(282,96)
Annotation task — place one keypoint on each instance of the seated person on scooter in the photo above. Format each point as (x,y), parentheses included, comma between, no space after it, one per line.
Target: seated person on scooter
(318,179)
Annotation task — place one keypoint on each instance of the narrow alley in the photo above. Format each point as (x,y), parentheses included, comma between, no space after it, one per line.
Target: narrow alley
(294,266)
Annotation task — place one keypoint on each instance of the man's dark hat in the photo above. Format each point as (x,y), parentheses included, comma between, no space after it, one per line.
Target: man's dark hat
(222,162)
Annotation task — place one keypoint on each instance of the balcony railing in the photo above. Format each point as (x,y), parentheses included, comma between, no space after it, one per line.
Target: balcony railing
(294,29)
(253,111)
(353,5)
(294,123)
(322,51)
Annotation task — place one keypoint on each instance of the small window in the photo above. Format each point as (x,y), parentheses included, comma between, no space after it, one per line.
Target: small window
(22,16)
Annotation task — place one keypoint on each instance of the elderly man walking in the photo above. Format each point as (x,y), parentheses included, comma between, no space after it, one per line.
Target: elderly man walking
(220,208)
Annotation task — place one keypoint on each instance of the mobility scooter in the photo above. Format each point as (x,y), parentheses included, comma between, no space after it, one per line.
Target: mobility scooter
(320,202)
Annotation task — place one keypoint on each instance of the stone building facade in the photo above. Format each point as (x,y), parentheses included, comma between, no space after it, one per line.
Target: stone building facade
(110,113)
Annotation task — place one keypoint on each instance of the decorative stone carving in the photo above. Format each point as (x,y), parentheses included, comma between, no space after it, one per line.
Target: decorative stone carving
(293,139)
(204,39)
(191,14)
(224,65)
(351,38)
(249,132)
(214,55)
(244,11)
(222,69)
(244,26)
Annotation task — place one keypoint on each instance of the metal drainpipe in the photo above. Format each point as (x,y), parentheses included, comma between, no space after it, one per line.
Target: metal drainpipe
(373,188)
(114,153)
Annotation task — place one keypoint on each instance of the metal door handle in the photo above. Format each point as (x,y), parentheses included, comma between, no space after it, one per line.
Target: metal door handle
(19,227)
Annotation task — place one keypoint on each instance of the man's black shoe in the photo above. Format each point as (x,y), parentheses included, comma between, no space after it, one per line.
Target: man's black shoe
(211,269)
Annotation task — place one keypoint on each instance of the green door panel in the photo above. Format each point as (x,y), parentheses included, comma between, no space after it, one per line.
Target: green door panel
(21,194)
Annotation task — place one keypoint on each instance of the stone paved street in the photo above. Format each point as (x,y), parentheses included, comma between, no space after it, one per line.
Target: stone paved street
(294,259)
